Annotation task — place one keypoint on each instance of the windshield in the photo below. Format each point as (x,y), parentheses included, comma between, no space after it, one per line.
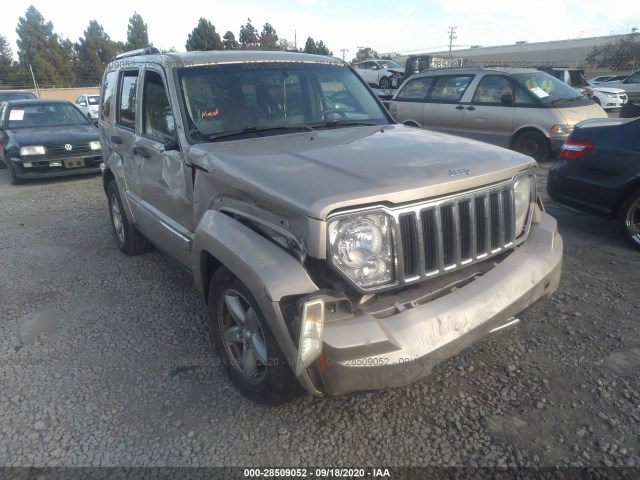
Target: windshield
(389,64)
(93,99)
(261,98)
(16,96)
(548,89)
(45,115)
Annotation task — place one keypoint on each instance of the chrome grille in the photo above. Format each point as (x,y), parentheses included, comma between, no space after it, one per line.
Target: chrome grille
(440,236)
(58,150)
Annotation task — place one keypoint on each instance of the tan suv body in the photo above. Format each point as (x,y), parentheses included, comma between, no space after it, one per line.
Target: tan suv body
(523,109)
(336,249)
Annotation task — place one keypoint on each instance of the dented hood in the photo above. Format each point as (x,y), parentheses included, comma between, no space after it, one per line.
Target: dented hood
(315,173)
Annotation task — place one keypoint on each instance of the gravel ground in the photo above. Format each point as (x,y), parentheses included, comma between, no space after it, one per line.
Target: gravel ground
(106,360)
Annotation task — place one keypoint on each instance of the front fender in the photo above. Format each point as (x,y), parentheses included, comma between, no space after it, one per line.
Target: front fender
(265,268)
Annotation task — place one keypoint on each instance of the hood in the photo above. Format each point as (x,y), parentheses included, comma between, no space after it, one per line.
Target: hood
(59,134)
(315,173)
(607,89)
(396,70)
(573,115)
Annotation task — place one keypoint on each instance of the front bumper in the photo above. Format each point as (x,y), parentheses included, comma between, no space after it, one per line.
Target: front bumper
(41,168)
(366,353)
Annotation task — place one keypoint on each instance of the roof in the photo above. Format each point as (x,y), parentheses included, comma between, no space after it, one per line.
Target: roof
(213,57)
(35,101)
(507,70)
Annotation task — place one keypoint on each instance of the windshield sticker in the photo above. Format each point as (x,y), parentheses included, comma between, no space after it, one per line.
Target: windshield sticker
(209,114)
(539,92)
(16,115)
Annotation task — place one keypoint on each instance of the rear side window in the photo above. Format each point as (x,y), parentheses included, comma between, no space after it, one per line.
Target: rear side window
(126,114)
(107,96)
(415,90)
(449,88)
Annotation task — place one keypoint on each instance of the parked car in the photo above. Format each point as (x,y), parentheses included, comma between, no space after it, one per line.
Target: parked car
(335,249)
(631,85)
(88,103)
(523,109)
(46,138)
(16,95)
(382,74)
(599,172)
(574,77)
(608,97)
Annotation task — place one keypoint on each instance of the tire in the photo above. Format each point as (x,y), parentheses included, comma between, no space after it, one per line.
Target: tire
(256,365)
(13,179)
(130,241)
(385,83)
(534,144)
(630,218)
(3,164)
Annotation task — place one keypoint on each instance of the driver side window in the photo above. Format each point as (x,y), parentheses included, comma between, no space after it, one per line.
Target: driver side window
(158,121)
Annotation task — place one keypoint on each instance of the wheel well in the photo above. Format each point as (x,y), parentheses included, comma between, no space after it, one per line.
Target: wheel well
(615,211)
(411,124)
(526,130)
(208,265)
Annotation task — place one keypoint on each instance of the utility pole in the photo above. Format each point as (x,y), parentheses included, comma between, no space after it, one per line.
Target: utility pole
(452,37)
(343,51)
(360,49)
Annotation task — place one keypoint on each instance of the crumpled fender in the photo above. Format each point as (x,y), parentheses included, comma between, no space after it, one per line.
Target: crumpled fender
(265,268)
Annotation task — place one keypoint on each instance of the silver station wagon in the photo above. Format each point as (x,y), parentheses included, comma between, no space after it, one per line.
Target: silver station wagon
(523,109)
(336,250)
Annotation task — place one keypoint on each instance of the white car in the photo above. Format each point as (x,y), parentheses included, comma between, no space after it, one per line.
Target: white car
(383,74)
(609,97)
(88,104)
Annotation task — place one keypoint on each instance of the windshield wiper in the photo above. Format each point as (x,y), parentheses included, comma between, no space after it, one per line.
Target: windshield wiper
(341,123)
(258,129)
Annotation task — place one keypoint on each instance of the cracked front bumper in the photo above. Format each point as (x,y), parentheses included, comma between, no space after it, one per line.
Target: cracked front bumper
(367,353)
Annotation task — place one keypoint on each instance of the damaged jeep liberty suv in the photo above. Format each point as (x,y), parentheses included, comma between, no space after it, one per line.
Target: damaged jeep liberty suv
(336,250)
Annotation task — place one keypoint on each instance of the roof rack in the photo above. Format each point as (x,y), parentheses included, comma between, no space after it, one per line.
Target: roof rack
(135,53)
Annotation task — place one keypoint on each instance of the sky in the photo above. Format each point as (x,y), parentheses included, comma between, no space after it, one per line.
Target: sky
(400,26)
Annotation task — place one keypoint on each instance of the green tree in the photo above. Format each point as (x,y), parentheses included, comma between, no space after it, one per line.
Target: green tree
(95,50)
(268,38)
(6,60)
(248,36)
(204,37)
(230,42)
(317,48)
(137,35)
(364,53)
(49,56)
(623,54)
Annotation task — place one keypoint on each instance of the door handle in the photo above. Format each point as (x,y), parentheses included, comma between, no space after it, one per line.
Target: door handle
(141,151)
(471,108)
(459,107)
(116,139)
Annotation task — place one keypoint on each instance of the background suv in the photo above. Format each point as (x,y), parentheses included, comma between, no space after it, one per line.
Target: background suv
(523,109)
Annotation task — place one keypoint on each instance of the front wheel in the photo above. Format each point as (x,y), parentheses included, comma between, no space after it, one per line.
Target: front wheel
(247,348)
(13,178)
(630,218)
(130,241)
(534,144)
(385,83)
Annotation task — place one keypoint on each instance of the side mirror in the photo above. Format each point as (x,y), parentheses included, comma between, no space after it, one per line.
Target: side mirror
(171,145)
(506,99)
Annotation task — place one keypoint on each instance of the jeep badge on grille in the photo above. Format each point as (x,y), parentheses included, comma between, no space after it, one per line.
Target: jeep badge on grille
(459,171)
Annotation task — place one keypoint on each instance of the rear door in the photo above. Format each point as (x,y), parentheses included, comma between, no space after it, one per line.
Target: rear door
(443,108)
(632,86)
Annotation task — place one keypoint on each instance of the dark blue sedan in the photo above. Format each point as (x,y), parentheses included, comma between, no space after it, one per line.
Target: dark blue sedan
(46,138)
(599,172)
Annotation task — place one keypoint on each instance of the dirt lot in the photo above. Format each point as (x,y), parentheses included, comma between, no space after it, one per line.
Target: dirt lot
(106,360)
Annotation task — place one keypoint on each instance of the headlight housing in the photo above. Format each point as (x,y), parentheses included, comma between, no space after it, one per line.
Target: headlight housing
(361,248)
(524,196)
(32,150)
(95,145)
(561,129)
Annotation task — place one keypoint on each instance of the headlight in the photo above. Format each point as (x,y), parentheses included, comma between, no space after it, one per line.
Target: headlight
(612,95)
(561,129)
(95,145)
(32,150)
(523,193)
(361,248)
